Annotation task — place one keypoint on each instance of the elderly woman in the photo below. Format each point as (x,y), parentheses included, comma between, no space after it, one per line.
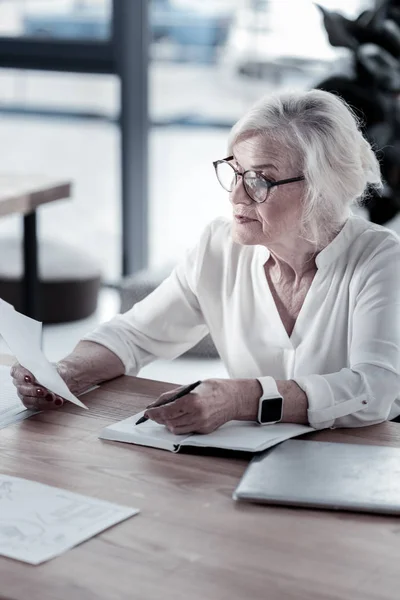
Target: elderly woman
(300,296)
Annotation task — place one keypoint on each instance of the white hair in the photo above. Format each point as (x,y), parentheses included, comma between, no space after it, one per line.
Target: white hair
(338,163)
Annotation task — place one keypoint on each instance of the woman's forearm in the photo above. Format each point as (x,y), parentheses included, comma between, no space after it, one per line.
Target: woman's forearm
(295,402)
(89,364)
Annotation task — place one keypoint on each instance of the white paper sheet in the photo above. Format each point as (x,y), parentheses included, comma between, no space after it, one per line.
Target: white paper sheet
(39,522)
(23,336)
(11,407)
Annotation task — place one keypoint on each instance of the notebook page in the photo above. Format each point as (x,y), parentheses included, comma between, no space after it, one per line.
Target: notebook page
(246,436)
(146,434)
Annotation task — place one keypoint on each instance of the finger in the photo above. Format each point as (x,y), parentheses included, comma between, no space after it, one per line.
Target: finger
(165,396)
(160,415)
(49,402)
(175,410)
(36,391)
(184,425)
(154,417)
(21,374)
(184,429)
(180,407)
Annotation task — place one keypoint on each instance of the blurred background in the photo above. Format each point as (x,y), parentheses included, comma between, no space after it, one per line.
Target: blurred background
(132,101)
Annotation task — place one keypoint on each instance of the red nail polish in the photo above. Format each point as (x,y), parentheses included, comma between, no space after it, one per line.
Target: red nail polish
(27,379)
(58,402)
(49,397)
(39,392)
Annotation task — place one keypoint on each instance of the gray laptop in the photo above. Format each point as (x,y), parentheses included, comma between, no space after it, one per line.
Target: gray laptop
(325,475)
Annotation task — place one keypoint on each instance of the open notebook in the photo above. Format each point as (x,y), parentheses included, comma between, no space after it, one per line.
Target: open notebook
(236,435)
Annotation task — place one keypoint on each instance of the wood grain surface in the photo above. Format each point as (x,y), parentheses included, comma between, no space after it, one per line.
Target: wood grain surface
(23,193)
(191,541)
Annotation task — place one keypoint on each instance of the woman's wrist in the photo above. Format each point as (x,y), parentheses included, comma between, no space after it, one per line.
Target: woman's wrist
(248,397)
(71,373)
(89,364)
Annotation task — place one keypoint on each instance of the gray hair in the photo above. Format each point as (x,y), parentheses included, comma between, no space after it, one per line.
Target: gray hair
(338,163)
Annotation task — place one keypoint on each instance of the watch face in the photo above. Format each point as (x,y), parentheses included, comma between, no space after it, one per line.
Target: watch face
(271,410)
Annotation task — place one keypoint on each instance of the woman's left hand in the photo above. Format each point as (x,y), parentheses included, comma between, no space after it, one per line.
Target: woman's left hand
(213,403)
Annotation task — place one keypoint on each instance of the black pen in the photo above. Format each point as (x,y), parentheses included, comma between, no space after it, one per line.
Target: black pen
(183,392)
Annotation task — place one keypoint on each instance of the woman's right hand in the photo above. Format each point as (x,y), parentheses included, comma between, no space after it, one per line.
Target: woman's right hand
(33,395)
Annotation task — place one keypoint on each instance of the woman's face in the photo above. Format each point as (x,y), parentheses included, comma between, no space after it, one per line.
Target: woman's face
(277,219)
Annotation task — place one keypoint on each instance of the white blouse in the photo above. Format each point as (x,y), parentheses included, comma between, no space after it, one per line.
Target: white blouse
(344,351)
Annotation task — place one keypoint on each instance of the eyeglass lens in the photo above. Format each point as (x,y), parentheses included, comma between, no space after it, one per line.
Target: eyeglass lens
(255,186)
(226,176)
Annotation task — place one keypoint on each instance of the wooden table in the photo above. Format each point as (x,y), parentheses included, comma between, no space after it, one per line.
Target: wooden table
(190,541)
(23,194)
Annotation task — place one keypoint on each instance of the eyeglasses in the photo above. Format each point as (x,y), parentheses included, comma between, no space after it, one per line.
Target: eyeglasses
(256,185)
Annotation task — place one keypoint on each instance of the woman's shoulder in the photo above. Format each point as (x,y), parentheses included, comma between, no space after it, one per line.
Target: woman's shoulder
(375,238)
(376,249)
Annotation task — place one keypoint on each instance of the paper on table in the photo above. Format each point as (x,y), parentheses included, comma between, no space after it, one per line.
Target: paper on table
(39,522)
(23,336)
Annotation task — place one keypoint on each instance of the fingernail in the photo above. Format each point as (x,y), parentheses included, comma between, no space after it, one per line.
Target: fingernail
(39,392)
(58,402)
(49,397)
(27,379)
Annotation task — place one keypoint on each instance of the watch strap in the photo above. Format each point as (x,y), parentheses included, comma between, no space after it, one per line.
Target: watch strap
(269,388)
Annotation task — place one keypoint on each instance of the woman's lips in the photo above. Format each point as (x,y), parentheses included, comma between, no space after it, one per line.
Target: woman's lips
(243,220)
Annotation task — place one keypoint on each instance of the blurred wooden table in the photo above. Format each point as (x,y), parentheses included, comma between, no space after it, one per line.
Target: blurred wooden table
(190,541)
(23,194)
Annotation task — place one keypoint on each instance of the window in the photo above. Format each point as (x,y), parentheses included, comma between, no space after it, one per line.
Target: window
(210,61)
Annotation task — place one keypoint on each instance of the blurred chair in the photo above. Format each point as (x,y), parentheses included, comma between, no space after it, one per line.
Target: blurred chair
(69,280)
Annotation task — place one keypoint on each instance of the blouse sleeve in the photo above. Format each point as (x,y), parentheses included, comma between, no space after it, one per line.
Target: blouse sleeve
(167,323)
(363,394)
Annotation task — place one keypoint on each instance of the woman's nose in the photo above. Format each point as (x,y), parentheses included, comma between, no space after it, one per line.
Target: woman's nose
(238,195)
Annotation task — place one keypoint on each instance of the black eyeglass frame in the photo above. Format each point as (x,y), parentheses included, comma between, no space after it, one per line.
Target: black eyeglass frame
(270,184)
